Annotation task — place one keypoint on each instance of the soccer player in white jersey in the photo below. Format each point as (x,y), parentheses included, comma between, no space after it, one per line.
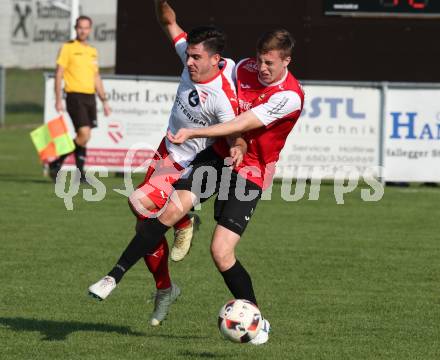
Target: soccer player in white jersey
(271,101)
(206,96)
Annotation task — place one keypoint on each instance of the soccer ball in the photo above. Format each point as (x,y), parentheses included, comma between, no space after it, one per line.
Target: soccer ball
(239,321)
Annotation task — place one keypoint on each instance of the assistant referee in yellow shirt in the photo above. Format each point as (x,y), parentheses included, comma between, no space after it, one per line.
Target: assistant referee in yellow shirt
(77,65)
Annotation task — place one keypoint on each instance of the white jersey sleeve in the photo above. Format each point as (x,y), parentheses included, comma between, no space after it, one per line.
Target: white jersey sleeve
(225,110)
(277,107)
(181,45)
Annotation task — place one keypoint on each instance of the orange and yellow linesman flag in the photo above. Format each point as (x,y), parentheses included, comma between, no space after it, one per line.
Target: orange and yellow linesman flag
(52,139)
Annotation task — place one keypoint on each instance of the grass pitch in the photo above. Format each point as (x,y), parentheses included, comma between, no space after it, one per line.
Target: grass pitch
(353,281)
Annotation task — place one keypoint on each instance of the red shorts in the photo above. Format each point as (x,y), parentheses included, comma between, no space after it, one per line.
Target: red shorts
(162,173)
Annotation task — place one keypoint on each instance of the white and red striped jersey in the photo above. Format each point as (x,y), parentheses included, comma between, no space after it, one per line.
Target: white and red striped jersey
(200,105)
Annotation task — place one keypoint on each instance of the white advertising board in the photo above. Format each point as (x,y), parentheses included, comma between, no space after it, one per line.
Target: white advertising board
(339,127)
(412,137)
(140,112)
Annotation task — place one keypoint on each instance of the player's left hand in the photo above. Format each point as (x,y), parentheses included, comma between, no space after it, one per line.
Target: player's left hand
(237,154)
(181,136)
(107,109)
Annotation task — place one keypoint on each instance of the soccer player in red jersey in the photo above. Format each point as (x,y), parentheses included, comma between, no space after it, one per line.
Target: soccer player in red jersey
(271,101)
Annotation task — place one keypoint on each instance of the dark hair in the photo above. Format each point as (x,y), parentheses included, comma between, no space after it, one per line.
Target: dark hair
(278,39)
(83,17)
(213,38)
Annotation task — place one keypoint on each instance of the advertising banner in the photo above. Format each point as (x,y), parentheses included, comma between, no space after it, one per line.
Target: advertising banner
(140,112)
(339,127)
(412,137)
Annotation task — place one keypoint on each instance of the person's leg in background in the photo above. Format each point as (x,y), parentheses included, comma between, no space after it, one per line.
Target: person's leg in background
(83,135)
(82,138)
(83,116)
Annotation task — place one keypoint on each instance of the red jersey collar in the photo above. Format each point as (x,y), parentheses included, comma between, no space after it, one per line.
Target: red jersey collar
(274,84)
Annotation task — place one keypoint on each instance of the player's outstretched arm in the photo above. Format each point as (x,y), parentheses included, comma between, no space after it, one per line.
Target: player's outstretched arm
(242,123)
(166,17)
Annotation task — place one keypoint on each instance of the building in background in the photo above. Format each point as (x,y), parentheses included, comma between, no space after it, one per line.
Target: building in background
(31,31)
(336,40)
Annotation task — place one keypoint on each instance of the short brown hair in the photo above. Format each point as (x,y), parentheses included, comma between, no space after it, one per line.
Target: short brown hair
(278,39)
(83,17)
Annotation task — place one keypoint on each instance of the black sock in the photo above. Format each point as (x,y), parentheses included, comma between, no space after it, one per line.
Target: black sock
(59,162)
(239,283)
(80,157)
(145,241)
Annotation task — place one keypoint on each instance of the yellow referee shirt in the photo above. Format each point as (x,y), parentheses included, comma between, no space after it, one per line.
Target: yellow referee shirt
(80,64)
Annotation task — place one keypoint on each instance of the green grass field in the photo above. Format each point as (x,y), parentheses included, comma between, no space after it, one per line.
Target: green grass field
(353,281)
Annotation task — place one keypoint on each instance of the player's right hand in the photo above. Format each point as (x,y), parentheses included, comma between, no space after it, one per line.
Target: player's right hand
(181,136)
(59,106)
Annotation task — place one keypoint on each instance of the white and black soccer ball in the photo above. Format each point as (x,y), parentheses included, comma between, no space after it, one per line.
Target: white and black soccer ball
(239,321)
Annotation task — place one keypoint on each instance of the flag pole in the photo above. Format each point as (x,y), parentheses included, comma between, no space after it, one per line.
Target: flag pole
(74,13)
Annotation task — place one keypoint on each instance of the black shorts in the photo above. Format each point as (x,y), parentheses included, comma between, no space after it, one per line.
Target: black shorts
(82,109)
(236,198)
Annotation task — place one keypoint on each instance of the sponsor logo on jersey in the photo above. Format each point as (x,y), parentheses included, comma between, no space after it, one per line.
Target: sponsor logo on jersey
(245,86)
(251,66)
(193,98)
(278,107)
(244,105)
(203,96)
(187,112)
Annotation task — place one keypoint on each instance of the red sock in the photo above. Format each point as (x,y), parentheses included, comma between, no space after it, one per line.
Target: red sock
(183,223)
(157,263)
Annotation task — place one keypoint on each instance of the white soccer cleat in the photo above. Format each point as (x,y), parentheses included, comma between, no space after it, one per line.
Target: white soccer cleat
(102,288)
(183,239)
(263,336)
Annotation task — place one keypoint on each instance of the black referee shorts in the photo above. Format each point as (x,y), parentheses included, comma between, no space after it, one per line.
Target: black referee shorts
(82,109)
(236,198)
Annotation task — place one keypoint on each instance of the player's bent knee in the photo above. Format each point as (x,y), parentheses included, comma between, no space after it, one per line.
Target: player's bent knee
(82,141)
(140,204)
(223,258)
(172,214)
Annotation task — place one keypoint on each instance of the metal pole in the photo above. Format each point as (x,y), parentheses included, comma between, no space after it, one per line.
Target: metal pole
(74,13)
(382,129)
(2,95)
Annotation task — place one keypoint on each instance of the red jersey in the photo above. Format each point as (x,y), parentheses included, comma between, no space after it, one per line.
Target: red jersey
(278,106)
